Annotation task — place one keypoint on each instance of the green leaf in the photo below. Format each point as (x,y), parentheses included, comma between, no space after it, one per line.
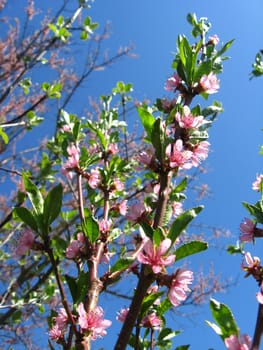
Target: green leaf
(182,221)
(224,318)
(148,302)
(157,138)
(82,286)
(34,195)
(147,229)
(224,49)
(91,227)
(147,120)
(164,306)
(182,347)
(27,217)
(72,284)
(190,248)
(121,265)
(4,136)
(255,210)
(52,204)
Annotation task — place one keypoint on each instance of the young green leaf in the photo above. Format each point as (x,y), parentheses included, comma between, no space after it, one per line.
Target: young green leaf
(91,227)
(190,248)
(224,318)
(34,195)
(182,221)
(52,204)
(27,217)
(147,120)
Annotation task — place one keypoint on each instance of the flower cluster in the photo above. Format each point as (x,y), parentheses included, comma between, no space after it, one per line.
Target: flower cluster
(59,328)
(242,342)
(93,321)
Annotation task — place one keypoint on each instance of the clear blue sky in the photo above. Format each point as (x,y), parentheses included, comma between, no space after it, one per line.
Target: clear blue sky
(234,161)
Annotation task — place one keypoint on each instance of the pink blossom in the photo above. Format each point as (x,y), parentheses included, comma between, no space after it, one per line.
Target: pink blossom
(67,127)
(113,148)
(123,207)
(257,184)
(25,242)
(55,333)
(62,318)
(136,212)
(209,83)
(151,321)
(122,314)
(75,247)
(72,161)
(251,262)
(94,178)
(178,157)
(177,208)
(172,83)
(154,256)
(242,342)
(118,184)
(214,39)
(59,327)
(105,225)
(187,120)
(73,250)
(179,286)
(144,158)
(200,153)
(93,321)
(247,228)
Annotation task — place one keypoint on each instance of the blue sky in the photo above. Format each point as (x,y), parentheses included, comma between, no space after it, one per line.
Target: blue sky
(153,27)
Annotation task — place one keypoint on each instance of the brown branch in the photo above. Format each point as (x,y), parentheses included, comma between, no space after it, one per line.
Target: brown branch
(258,329)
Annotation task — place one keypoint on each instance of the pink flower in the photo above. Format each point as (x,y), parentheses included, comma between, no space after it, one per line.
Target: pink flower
(25,242)
(247,227)
(55,333)
(75,247)
(154,256)
(72,161)
(118,184)
(73,250)
(151,321)
(93,321)
(200,153)
(62,318)
(209,83)
(122,314)
(113,148)
(94,178)
(242,342)
(178,157)
(179,286)
(257,184)
(173,82)
(177,208)
(144,158)
(187,120)
(136,212)
(105,225)
(214,39)
(123,207)
(252,266)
